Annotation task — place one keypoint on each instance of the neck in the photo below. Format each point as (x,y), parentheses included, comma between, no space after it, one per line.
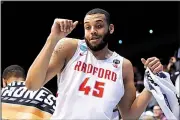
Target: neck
(159,117)
(12,79)
(102,54)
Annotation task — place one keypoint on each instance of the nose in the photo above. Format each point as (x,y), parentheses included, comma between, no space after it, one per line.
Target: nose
(93,31)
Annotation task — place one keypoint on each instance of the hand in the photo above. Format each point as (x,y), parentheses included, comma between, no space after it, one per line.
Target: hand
(62,27)
(153,64)
(172,60)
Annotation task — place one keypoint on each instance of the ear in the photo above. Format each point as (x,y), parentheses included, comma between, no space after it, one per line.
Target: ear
(4,82)
(111,28)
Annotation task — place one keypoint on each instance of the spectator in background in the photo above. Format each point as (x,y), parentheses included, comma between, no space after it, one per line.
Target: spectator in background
(165,69)
(147,117)
(139,87)
(173,66)
(173,69)
(19,103)
(137,74)
(158,113)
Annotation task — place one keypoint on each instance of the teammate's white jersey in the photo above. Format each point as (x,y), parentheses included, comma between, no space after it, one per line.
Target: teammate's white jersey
(89,88)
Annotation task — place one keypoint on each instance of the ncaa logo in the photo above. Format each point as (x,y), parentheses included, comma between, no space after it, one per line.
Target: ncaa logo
(116,62)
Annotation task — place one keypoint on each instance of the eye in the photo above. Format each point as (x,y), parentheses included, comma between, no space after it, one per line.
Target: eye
(87,27)
(99,26)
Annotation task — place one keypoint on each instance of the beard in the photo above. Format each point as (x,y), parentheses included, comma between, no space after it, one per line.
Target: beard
(101,45)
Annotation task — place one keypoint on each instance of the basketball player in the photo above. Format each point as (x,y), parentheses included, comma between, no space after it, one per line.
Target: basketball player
(20,103)
(92,78)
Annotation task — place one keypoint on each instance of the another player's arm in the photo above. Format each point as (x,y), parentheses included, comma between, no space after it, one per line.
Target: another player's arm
(131,107)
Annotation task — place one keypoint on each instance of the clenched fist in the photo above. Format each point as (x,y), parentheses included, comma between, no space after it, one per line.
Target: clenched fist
(62,27)
(153,64)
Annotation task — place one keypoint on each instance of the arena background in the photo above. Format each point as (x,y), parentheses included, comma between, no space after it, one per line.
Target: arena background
(26,25)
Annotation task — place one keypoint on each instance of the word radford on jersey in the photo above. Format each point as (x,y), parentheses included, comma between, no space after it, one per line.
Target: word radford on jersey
(101,73)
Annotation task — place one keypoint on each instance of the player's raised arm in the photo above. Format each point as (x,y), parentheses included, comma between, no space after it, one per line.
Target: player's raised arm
(48,63)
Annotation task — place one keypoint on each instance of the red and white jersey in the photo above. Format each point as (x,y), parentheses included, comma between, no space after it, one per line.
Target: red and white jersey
(89,88)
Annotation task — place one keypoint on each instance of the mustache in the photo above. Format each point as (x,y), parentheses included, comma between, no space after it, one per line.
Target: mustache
(95,37)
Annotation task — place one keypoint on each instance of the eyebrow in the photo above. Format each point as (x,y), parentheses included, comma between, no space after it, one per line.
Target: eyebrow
(96,21)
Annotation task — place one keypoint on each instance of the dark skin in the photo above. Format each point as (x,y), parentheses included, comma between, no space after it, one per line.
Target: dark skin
(58,50)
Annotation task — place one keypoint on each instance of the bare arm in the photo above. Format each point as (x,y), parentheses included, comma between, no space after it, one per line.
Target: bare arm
(51,60)
(130,106)
(37,72)
(62,53)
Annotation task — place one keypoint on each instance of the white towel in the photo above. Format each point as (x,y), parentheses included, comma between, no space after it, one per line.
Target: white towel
(163,90)
(177,84)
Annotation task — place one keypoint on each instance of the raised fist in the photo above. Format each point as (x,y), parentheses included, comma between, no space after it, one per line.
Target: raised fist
(62,27)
